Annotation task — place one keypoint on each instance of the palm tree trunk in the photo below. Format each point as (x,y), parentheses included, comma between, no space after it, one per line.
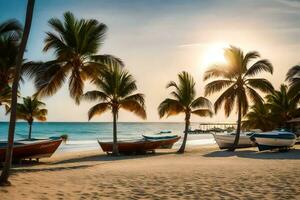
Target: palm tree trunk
(238,130)
(186,130)
(115,141)
(30,128)
(12,122)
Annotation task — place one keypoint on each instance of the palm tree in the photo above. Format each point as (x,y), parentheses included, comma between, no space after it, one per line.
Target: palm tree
(237,77)
(184,101)
(75,43)
(12,123)
(293,77)
(115,91)
(259,118)
(10,36)
(283,106)
(31,109)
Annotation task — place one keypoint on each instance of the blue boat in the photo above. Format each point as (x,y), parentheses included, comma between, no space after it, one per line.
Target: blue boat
(277,139)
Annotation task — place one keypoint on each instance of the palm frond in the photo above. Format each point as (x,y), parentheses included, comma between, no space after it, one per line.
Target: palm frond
(95,95)
(98,109)
(216,86)
(227,97)
(169,107)
(293,72)
(136,104)
(250,56)
(217,71)
(261,84)
(201,102)
(203,112)
(260,66)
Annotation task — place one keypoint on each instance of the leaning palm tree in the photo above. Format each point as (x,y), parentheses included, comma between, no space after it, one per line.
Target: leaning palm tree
(184,101)
(293,77)
(259,117)
(283,106)
(31,109)
(12,122)
(115,91)
(75,43)
(237,78)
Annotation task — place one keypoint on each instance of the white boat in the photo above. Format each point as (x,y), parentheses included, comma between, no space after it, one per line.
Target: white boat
(278,139)
(226,140)
(162,136)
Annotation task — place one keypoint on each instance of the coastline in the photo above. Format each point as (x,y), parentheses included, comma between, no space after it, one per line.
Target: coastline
(202,172)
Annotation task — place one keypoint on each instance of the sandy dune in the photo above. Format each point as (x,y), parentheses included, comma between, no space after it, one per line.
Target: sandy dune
(201,173)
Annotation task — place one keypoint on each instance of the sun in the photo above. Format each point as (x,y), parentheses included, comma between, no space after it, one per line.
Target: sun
(213,54)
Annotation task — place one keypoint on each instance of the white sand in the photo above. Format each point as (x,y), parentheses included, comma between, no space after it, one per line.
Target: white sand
(201,173)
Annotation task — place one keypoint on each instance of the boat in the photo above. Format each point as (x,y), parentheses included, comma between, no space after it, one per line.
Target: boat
(33,148)
(159,136)
(140,146)
(277,139)
(226,140)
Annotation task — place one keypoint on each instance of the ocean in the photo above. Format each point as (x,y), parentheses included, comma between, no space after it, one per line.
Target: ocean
(83,135)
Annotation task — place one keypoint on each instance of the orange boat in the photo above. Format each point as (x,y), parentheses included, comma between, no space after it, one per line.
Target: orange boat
(34,148)
(138,146)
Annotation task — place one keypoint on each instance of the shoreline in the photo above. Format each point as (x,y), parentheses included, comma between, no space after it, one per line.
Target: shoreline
(202,172)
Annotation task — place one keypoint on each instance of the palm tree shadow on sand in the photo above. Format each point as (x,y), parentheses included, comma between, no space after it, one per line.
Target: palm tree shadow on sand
(293,154)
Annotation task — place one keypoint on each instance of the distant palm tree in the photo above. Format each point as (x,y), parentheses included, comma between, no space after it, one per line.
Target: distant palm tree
(259,118)
(115,91)
(184,101)
(237,78)
(293,77)
(31,109)
(283,106)
(75,43)
(12,122)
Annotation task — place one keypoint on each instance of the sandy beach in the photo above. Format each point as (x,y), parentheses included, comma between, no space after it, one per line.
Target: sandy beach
(201,173)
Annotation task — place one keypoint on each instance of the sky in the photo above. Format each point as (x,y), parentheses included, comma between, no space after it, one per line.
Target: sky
(157,39)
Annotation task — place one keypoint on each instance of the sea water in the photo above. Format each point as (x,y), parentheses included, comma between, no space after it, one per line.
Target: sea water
(84,135)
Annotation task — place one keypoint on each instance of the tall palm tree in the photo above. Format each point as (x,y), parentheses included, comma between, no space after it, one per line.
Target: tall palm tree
(283,106)
(12,123)
(293,77)
(259,117)
(75,43)
(31,109)
(237,78)
(184,101)
(115,91)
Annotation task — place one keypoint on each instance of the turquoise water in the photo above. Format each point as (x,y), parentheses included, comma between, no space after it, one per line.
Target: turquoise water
(84,135)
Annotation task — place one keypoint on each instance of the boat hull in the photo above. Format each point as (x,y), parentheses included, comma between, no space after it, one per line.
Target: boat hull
(269,141)
(31,149)
(226,141)
(137,146)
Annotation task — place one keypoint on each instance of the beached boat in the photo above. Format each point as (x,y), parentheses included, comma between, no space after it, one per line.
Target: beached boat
(226,140)
(137,146)
(274,140)
(160,136)
(34,148)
